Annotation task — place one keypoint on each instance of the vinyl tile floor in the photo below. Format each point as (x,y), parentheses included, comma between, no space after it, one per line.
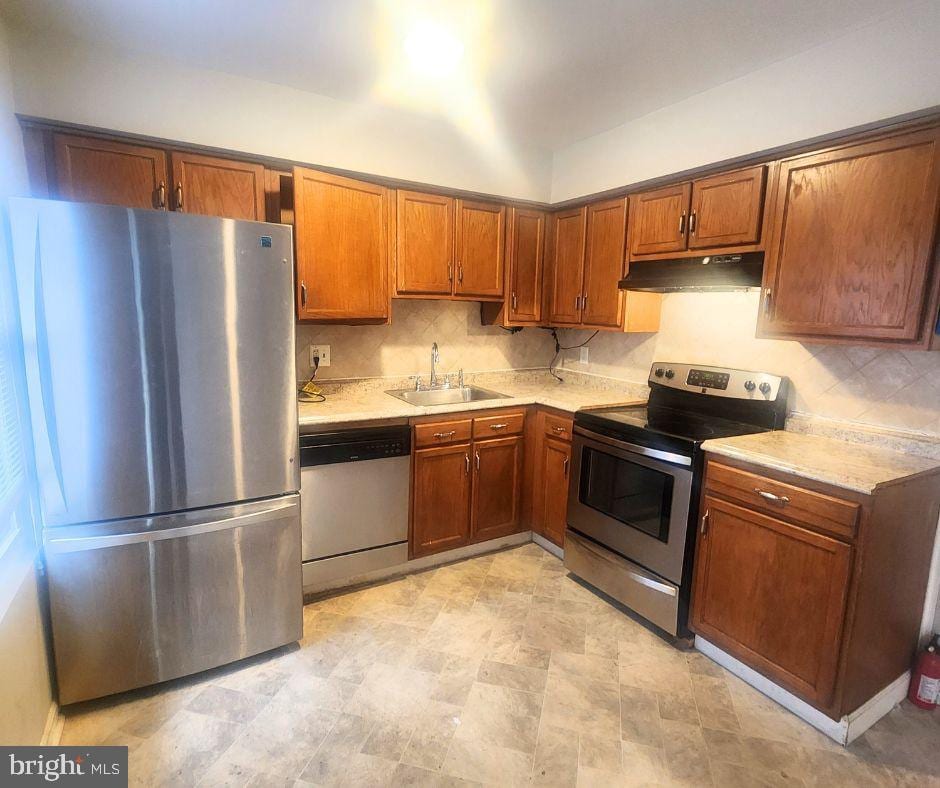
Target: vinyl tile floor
(497,670)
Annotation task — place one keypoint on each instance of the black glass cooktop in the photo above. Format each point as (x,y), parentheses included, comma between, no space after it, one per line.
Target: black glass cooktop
(661,428)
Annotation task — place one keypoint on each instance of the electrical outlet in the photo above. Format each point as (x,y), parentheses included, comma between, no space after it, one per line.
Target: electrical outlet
(584,355)
(323,351)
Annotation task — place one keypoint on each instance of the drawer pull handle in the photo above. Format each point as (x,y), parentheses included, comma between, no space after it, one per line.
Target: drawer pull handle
(498,426)
(705,518)
(445,434)
(780,500)
(559,430)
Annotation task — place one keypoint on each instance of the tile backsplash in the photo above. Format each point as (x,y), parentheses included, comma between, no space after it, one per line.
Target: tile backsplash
(404,347)
(899,389)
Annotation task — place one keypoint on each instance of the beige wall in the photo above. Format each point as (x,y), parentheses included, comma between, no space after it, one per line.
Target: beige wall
(878,71)
(404,347)
(877,386)
(25,693)
(70,81)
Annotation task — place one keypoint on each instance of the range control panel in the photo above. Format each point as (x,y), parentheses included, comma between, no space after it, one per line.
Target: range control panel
(716,381)
(708,379)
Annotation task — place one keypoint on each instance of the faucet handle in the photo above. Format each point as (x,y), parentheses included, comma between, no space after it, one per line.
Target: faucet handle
(417,380)
(460,378)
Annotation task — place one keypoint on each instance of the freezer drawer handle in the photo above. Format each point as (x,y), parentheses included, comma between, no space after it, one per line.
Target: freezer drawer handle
(75,544)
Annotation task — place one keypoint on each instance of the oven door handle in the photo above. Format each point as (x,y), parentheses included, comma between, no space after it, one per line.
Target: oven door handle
(649,582)
(633,448)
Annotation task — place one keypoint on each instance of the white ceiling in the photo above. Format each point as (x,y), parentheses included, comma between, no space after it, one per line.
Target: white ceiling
(559,70)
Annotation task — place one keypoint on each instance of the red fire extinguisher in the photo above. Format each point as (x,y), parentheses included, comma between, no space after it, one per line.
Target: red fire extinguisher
(925,680)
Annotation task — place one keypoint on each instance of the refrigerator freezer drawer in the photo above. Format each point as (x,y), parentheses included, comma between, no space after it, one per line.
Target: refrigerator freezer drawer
(175,595)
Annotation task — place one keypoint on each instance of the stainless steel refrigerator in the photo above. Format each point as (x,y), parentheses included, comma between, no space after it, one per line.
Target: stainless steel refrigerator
(160,368)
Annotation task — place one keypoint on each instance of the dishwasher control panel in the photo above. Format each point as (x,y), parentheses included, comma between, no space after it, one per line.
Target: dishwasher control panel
(355,445)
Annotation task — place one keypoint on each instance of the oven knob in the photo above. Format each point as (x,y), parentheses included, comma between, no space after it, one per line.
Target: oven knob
(749,385)
(765,388)
(670,374)
(659,372)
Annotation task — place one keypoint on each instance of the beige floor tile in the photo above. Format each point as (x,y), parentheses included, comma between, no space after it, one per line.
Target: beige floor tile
(501,716)
(455,680)
(599,753)
(432,734)
(392,693)
(481,761)
(589,666)
(513,676)
(686,755)
(407,776)
(556,758)
(553,631)
(643,765)
(388,740)
(465,634)
(228,704)
(582,705)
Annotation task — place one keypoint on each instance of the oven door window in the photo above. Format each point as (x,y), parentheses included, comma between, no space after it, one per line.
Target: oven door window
(637,496)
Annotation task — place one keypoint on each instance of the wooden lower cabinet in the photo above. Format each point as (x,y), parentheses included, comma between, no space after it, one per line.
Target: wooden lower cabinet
(751,561)
(440,517)
(464,490)
(553,488)
(818,588)
(497,488)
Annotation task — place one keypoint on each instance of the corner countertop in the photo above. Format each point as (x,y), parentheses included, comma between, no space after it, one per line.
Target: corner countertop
(849,465)
(349,403)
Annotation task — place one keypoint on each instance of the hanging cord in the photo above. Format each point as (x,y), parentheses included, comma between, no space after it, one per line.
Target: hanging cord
(559,348)
(310,392)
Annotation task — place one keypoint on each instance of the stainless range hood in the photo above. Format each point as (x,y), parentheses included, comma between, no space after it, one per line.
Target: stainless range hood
(709,273)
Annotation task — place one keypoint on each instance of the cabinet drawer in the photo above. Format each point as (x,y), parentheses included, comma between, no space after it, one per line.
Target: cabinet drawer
(497,426)
(439,433)
(557,426)
(813,509)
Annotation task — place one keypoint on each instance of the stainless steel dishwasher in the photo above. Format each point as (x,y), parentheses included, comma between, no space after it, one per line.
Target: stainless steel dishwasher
(354,502)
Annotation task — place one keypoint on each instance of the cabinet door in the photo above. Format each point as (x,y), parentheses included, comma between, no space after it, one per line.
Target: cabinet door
(567,265)
(553,488)
(526,248)
(773,595)
(440,517)
(341,235)
(852,241)
(727,209)
(602,300)
(480,246)
(425,244)
(659,220)
(112,173)
(217,187)
(497,487)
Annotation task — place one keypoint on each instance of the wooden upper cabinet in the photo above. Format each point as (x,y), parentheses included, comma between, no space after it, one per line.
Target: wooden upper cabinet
(773,594)
(525,252)
(424,244)
(217,187)
(440,499)
(852,242)
(568,240)
(602,301)
(659,220)
(727,209)
(341,235)
(113,173)
(497,487)
(480,247)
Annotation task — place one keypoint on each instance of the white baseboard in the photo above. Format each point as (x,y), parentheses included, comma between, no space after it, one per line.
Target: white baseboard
(843,731)
(869,713)
(418,564)
(550,547)
(55,722)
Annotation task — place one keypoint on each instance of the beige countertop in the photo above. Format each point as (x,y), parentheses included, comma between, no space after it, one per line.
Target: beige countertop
(352,403)
(852,466)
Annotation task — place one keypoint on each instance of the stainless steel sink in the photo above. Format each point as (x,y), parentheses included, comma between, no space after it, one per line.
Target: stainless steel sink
(451,396)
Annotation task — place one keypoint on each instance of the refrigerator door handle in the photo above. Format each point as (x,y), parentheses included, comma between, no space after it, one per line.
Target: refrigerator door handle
(73,544)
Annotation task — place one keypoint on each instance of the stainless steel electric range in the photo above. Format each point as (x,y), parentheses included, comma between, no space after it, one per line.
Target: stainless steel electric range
(634,490)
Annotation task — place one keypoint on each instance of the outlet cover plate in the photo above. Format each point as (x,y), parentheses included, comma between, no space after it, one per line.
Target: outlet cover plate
(323,351)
